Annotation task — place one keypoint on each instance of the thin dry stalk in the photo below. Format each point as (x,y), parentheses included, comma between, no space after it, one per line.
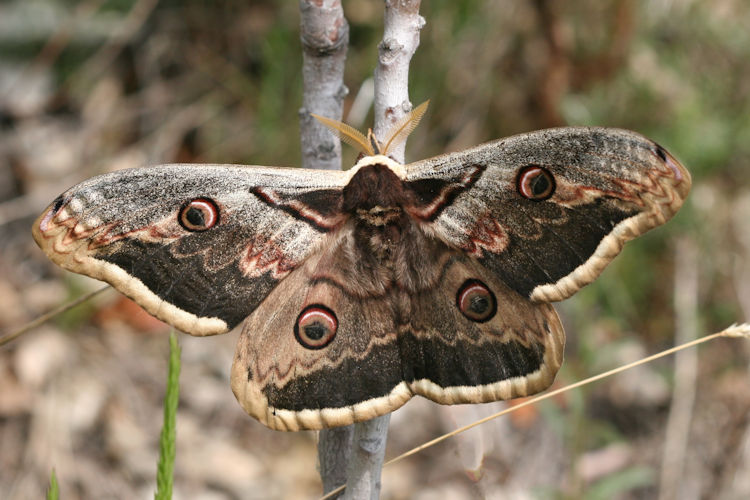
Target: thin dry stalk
(733,331)
(8,337)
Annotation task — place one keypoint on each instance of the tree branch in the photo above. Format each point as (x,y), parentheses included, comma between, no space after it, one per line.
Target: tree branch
(400,41)
(324,33)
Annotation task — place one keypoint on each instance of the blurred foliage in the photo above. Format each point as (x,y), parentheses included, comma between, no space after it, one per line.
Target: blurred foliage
(200,81)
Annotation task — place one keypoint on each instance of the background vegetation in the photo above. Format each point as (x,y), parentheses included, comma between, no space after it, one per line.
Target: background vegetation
(95,85)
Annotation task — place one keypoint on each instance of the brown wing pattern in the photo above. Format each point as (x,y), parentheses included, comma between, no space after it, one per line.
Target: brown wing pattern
(390,344)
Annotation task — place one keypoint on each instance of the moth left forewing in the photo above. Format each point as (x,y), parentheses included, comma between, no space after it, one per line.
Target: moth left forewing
(125,228)
(608,186)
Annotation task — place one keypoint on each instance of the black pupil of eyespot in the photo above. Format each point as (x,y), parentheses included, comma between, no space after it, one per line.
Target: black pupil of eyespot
(539,184)
(315,331)
(479,304)
(195,217)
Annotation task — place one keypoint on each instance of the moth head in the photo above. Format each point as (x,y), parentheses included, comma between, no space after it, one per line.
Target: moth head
(368,144)
(366,161)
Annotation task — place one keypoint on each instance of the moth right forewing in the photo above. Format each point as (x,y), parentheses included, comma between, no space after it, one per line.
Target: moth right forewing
(610,186)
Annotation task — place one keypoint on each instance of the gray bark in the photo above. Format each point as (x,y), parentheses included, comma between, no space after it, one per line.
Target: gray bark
(352,452)
(400,41)
(324,33)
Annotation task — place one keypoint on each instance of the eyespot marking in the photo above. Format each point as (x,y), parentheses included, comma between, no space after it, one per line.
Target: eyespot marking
(476,301)
(535,183)
(315,327)
(199,214)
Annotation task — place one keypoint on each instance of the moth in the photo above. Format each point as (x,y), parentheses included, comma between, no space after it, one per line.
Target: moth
(359,289)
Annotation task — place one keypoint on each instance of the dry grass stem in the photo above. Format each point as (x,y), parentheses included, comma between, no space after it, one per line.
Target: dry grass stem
(733,331)
(8,337)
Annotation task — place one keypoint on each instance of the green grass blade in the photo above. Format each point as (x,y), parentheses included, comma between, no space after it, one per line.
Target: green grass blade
(53,491)
(167,441)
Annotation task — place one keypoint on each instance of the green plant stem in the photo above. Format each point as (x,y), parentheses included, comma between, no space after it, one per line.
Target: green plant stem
(168,438)
(53,491)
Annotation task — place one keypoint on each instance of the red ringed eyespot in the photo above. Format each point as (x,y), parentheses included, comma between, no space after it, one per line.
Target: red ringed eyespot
(315,327)
(476,301)
(535,183)
(199,214)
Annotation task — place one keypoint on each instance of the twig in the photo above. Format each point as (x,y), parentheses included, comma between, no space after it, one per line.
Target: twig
(324,33)
(334,452)
(47,316)
(325,36)
(366,462)
(400,40)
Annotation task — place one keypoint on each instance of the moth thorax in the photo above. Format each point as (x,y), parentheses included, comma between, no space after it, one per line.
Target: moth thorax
(375,195)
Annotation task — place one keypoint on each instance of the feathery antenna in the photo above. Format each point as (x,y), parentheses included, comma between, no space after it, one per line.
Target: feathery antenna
(346,133)
(405,126)
(367,144)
